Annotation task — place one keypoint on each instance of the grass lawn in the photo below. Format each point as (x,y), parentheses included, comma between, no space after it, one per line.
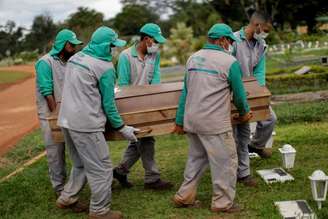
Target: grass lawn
(305,126)
(7,77)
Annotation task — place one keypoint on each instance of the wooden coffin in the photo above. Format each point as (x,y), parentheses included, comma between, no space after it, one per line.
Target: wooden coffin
(152,108)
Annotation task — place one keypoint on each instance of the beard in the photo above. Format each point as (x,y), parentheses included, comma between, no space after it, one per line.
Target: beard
(67,55)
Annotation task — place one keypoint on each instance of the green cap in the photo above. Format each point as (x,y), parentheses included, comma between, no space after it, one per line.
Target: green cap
(62,37)
(221,30)
(154,31)
(100,43)
(107,35)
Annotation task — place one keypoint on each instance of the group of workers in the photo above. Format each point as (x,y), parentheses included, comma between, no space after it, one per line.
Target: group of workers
(81,86)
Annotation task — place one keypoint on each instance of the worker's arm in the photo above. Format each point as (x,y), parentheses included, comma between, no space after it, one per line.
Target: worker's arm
(124,71)
(106,86)
(259,71)
(45,83)
(182,103)
(236,84)
(157,72)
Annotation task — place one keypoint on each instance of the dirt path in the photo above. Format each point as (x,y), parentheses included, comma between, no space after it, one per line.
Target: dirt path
(17,110)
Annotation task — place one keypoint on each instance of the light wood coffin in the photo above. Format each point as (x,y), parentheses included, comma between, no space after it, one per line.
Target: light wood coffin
(152,108)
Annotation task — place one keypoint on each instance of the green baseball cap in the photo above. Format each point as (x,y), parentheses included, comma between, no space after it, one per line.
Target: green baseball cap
(62,37)
(100,43)
(107,35)
(154,31)
(221,30)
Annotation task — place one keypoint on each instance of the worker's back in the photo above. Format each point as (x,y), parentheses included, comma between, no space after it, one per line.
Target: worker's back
(208,107)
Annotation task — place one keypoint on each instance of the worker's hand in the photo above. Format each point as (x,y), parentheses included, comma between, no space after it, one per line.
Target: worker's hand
(128,133)
(245,118)
(178,129)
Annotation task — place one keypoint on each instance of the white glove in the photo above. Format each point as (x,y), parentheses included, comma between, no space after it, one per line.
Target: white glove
(128,133)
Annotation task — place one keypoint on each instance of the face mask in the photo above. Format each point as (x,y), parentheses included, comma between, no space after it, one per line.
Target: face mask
(153,48)
(260,36)
(230,48)
(112,50)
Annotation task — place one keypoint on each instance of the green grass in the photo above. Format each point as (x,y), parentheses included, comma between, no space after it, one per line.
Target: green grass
(12,77)
(285,60)
(305,126)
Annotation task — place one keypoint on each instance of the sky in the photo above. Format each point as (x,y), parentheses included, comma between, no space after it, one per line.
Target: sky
(22,12)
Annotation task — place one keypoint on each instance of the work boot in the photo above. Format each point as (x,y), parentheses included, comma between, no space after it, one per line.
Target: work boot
(122,179)
(248,181)
(179,204)
(76,207)
(158,185)
(233,209)
(108,215)
(263,153)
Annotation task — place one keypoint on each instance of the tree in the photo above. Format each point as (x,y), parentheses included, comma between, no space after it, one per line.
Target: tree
(180,42)
(199,15)
(159,7)
(43,30)
(132,18)
(10,39)
(84,22)
(291,12)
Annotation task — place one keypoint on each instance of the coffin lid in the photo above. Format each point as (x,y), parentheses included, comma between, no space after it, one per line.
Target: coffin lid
(144,90)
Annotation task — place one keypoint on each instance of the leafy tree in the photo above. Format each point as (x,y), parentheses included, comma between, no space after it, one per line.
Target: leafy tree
(199,15)
(180,42)
(84,22)
(10,39)
(43,30)
(132,18)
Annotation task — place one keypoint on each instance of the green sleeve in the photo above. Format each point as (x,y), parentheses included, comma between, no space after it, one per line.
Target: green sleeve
(259,71)
(106,86)
(236,84)
(182,103)
(124,71)
(44,78)
(157,73)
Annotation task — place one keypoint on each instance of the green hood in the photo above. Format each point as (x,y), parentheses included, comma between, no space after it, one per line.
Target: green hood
(62,37)
(101,40)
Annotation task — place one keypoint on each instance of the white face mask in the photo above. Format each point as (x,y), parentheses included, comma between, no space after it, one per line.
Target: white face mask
(260,36)
(229,50)
(153,48)
(112,50)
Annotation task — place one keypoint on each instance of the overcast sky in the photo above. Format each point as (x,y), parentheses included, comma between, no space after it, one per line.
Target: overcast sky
(23,11)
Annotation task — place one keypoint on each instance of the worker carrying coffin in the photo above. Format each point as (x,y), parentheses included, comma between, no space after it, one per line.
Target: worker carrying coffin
(140,65)
(204,113)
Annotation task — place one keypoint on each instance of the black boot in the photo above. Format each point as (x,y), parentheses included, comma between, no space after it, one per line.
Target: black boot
(263,153)
(123,179)
(158,185)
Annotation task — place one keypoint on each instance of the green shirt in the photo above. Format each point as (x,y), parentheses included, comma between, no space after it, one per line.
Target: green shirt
(132,70)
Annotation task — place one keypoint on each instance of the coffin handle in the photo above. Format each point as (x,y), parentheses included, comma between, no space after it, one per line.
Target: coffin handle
(145,131)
